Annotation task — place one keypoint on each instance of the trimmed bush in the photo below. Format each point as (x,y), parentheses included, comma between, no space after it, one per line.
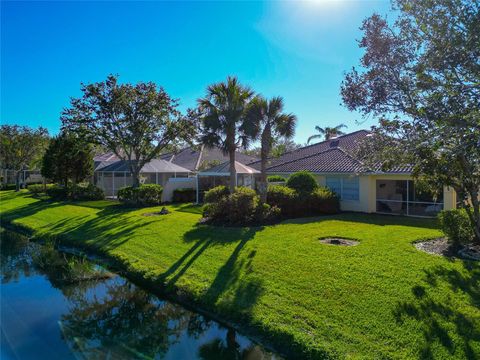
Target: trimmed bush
(243,207)
(292,204)
(85,191)
(144,195)
(283,198)
(303,182)
(215,194)
(36,189)
(456,226)
(323,201)
(276,178)
(184,195)
(57,192)
(8,187)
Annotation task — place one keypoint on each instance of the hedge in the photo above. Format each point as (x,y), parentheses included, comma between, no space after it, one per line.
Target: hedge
(184,195)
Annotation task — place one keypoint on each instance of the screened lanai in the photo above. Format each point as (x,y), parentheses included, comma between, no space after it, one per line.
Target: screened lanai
(112,176)
(220,175)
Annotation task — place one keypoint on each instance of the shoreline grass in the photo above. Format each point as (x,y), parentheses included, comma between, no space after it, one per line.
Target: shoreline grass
(379,299)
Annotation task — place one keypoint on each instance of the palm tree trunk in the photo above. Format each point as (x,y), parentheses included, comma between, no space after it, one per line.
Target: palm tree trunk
(265,150)
(233,172)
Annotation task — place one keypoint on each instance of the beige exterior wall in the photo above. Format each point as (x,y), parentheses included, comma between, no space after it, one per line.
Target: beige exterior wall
(367,201)
(367,193)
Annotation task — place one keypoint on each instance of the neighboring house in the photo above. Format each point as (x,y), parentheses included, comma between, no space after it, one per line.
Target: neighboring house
(204,157)
(334,165)
(112,175)
(220,175)
(172,170)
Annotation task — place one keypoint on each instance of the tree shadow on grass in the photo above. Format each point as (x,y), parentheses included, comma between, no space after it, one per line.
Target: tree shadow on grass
(107,230)
(441,321)
(245,292)
(27,210)
(373,219)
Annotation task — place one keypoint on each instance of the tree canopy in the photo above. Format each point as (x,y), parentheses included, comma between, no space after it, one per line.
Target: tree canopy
(224,123)
(136,122)
(420,77)
(271,123)
(68,158)
(21,147)
(327,132)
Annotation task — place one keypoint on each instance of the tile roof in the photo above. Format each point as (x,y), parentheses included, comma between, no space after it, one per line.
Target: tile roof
(224,169)
(192,158)
(154,166)
(333,160)
(336,155)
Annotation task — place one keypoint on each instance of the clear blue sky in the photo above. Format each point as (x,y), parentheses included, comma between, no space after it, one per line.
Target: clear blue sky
(298,50)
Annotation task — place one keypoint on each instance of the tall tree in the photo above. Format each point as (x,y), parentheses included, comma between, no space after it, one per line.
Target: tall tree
(225,125)
(327,132)
(420,76)
(21,147)
(271,123)
(136,122)
(68,158)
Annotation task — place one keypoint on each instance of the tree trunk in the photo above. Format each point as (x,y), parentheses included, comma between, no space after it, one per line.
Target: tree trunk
(136,178)
(265,150)
(233,172)
(17,180)
(475,216)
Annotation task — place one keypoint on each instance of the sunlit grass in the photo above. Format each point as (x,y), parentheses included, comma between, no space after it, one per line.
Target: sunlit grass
(379,299)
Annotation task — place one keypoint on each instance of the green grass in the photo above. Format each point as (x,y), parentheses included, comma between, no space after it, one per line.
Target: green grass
(379,299)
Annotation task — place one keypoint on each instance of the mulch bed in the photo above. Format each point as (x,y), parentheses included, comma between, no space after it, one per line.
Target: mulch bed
(339,241)
(441,246)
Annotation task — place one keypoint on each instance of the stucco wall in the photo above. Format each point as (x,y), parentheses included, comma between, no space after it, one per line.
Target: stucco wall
(367,192)
(177,183)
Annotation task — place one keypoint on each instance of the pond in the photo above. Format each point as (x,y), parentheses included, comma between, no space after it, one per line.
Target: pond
(59,306)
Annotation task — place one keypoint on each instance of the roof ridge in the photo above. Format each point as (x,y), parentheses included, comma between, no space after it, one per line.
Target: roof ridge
(309,146)
(308,156)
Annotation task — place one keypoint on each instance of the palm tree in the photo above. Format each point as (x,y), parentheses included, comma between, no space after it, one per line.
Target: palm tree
(271,123)
(327,132)
(223,118)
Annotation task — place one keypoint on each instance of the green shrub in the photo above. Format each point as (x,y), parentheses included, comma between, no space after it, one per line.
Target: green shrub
(184,195)
(8,187)
(323,201)
(303,182)
(144,195)
(85,191)
(265,214)
(283,198)
(57,192)
(276,178)
(243,207)
(456,226)
(215,194)
(36,189)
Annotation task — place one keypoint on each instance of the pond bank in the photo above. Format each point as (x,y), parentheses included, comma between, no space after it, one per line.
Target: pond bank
(99,313)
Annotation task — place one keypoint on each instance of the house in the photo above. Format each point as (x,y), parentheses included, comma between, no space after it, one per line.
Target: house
(204,157)
(114,174)
(220,175)
(334,165)
(171,170)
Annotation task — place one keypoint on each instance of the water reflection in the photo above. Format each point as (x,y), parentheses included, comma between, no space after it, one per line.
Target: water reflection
(103,318)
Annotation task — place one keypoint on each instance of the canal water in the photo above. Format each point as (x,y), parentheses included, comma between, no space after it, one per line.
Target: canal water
(59,306)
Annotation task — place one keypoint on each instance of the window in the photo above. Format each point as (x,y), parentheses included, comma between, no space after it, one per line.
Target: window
(346,187)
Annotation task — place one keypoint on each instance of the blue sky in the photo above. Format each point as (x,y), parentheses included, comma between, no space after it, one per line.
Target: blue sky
(298,50)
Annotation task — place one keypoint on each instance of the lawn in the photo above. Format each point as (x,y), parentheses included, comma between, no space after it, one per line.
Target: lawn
(379,299)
